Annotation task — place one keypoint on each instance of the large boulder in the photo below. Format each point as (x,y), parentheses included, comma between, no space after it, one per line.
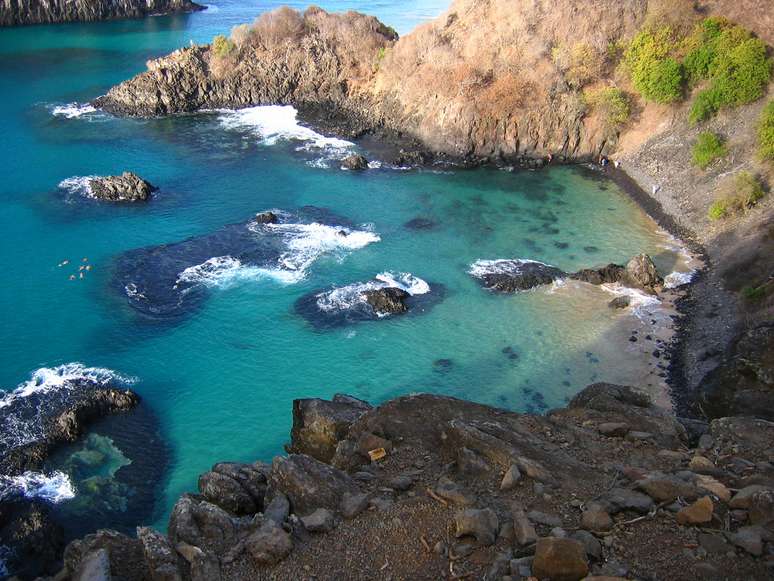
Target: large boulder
(237,488)
(640,272)
(319,425)
(127,187)
(85,557)
(355,162)
(203,524)
(387,301)
(560,560)
(308,483)
(160,555)
(268,545)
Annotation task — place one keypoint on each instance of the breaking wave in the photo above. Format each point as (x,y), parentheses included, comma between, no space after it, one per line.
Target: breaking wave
(78,185)
(639,301)
(678,279)
(73,110)
(275,123)
(54,487)
(481,268)
(25,410)
(348,297)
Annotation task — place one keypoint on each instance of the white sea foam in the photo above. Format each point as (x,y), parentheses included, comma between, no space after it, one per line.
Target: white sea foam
(308,242)
(274,123)
(502,266)
(48,379)
(639,301)
(349,296)
(54,487)
(72,110)
(678,279)
(79,185)
(304,243)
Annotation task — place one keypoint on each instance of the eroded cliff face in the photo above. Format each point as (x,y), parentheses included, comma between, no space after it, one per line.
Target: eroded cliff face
(486,79)
(16,12)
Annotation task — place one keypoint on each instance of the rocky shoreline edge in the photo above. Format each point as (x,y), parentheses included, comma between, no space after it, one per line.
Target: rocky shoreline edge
(431,487)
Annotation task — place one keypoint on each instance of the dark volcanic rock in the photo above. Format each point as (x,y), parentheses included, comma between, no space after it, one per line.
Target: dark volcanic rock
(743,383)
(388,300)
(26,527)
(125,554)
(510,276)
(203,524)
(127,187)
(373,300)
(35,423)
(308,483)
(39,12)
(266,218)
(237,488)
(354,162)
(319,425)
(639,272)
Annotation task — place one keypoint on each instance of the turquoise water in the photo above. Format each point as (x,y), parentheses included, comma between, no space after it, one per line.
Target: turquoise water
(221,379)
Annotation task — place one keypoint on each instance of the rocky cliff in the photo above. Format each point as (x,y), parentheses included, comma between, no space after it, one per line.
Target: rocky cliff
(17,12)
(429,487)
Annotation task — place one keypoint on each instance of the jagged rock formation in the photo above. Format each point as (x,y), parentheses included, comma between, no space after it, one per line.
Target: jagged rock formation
(16,12)
(127,187)
(611,485)
(510,276)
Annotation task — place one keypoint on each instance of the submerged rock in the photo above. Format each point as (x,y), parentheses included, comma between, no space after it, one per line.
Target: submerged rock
(29,531)
(127,187)
(34,421)
(168,281)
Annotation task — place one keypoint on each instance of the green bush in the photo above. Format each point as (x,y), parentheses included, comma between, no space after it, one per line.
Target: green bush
(222,46)
(746,191)
(766,133)
(708,148)
(611,103)
(656,75)
(733,61)
(754,293)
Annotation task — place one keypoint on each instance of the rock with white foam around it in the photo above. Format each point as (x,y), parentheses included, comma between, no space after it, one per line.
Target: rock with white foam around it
(127,187)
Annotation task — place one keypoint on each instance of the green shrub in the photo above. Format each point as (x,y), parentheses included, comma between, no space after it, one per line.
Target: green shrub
(754,293)
(656,75)
(734,62)
(611,103)
(708,148)
(745,192)
(766,133)
(221,46)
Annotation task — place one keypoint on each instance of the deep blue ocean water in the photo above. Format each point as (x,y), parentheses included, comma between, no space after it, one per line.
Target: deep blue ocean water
(220,379)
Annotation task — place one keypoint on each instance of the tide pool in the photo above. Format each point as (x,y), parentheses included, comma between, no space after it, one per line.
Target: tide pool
(221,379)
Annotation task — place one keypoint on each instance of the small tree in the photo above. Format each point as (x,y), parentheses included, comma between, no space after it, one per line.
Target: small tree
(708,148)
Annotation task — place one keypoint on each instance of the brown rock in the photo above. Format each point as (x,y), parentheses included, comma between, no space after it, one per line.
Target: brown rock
(699,512)
(560,560)
(596,520)
(523,531)
(614,429)
(743,497)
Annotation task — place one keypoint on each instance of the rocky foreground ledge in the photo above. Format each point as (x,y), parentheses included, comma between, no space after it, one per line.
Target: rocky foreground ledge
(431,487)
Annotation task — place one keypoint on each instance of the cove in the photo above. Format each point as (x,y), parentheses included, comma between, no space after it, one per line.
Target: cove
(222,379)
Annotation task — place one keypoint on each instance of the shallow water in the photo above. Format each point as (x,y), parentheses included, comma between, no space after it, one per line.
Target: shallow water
(221,379)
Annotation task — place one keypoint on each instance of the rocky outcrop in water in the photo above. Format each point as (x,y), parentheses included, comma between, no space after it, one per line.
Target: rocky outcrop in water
(511,276)
(127,187)
(16,12)
(609,486)
(50,419)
